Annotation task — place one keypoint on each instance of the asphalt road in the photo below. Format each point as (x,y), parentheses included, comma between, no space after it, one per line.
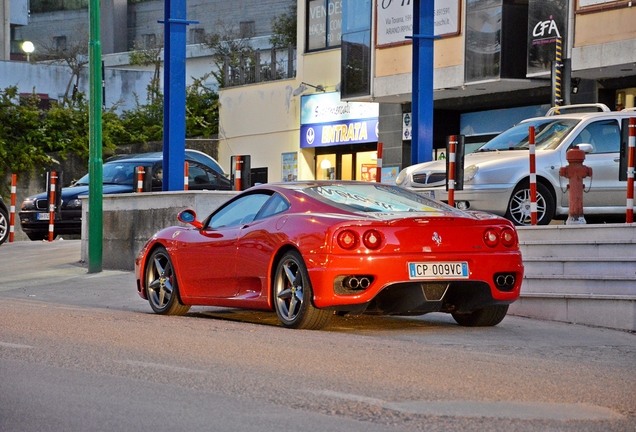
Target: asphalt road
(82,352)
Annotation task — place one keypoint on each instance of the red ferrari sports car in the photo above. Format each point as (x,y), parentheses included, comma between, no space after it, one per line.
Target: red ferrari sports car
(311,249)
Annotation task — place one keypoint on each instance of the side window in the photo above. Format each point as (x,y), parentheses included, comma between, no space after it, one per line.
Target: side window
(197,175)
(276,204)
(324,24)
(604,135)
(240,211)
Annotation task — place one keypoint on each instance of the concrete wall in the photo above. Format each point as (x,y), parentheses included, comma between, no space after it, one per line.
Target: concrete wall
(121,85)
(129,220)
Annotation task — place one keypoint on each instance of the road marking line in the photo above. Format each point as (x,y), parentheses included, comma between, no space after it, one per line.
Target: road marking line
(161,366)
(12,345)
(500,409)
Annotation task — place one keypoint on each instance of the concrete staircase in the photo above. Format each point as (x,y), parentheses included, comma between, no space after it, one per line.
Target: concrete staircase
(584,274)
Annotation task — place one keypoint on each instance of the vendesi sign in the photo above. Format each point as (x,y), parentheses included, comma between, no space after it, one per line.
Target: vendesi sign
(325,120)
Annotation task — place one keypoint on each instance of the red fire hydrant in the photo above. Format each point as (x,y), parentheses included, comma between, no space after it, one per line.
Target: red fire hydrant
(575,172)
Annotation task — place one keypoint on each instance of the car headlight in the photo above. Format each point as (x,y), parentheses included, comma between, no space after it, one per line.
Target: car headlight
(470,172)
(401,177)
(28,204)
(74,204)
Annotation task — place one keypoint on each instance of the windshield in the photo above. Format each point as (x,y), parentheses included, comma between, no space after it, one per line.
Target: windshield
(548,135)
(114,173)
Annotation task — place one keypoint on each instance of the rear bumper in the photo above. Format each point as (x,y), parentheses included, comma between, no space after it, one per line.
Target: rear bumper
(389,272)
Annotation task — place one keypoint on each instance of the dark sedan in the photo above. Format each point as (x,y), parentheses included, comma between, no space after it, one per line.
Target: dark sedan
(118,177)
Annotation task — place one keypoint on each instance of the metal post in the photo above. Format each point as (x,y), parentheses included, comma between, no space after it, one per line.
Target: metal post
(95,168)
(174,111)
(631,149)
(422,87)
(186,175)
(140,179)
(14,182)
(53,175)
(378,165)
(452,150)
(533,176)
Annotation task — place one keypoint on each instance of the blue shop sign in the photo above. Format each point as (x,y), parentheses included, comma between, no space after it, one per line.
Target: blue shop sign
(325,120)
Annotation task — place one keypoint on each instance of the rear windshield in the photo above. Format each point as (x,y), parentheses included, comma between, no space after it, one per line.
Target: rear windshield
(548,135)
(374,197)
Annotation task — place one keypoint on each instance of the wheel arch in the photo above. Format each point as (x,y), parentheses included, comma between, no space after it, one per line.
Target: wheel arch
(272,270)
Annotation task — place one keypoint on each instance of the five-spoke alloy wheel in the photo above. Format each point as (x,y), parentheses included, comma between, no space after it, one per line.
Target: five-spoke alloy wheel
(293,295)
(519,206)
(161,285)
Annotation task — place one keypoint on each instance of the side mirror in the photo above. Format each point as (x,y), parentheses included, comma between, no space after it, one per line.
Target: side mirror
(587,148)
(189,216)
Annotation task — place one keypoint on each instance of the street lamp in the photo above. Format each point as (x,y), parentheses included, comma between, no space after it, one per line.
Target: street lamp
(28,48)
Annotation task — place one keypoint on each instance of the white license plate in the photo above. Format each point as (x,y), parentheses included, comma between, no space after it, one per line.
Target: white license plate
(436,270)
(43,216)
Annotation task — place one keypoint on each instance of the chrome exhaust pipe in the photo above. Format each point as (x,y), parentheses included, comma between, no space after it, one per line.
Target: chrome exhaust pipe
(352,283)
(364,283)
(510,280)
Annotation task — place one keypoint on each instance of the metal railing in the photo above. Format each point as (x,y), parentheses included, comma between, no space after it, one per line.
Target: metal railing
(261,66)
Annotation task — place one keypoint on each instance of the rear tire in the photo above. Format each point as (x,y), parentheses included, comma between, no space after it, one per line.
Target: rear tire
(486,317)
(293,295)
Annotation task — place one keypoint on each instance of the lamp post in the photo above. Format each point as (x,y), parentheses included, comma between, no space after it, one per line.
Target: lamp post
(28,48)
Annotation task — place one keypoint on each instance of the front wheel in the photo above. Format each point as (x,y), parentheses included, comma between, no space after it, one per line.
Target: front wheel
(162,289)
(486,317)
(519,211)
(293,295)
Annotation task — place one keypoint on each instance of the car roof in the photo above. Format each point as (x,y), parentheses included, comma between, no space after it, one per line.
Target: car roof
(152,157)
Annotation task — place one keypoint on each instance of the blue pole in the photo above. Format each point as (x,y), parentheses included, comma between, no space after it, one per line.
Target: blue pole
(422,92)
(174,93)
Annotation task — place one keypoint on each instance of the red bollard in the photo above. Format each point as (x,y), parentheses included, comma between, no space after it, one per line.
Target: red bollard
(237,174)
(575,172)
(52,206)
(631,150)
(452,150)
(378,164)
(140,179)
(186,175)
(14,179)
(533,176)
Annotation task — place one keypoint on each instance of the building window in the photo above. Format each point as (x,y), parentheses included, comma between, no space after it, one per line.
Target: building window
(59,42)
(355,74)
(148,41)
(197,35)
(324,24)
(247,28)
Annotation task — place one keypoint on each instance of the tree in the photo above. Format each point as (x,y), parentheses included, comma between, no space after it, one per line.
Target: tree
(149,57)
(284,28)
(227,45)
(74,55)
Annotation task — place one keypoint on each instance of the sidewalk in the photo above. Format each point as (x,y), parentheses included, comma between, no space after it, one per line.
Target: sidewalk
(52,272)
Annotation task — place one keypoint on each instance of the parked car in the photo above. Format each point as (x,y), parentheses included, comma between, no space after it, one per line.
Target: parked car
(4,221)
(496,176)
(118,173)
(309,249)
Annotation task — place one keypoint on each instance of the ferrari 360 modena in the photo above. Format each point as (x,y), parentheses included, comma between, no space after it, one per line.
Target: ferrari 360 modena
(309,250)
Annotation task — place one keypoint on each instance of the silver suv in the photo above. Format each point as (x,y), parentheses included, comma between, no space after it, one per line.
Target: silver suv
(496,176)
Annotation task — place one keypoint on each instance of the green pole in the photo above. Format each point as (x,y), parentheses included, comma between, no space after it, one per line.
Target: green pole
(95,192)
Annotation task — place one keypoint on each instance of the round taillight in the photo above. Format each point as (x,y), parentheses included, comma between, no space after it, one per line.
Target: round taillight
(372,239)
(508,237)
(347,239)
(491,237)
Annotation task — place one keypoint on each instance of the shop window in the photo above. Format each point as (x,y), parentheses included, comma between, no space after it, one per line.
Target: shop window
(247,28)
(324,24)
(197,35)
(355,73)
